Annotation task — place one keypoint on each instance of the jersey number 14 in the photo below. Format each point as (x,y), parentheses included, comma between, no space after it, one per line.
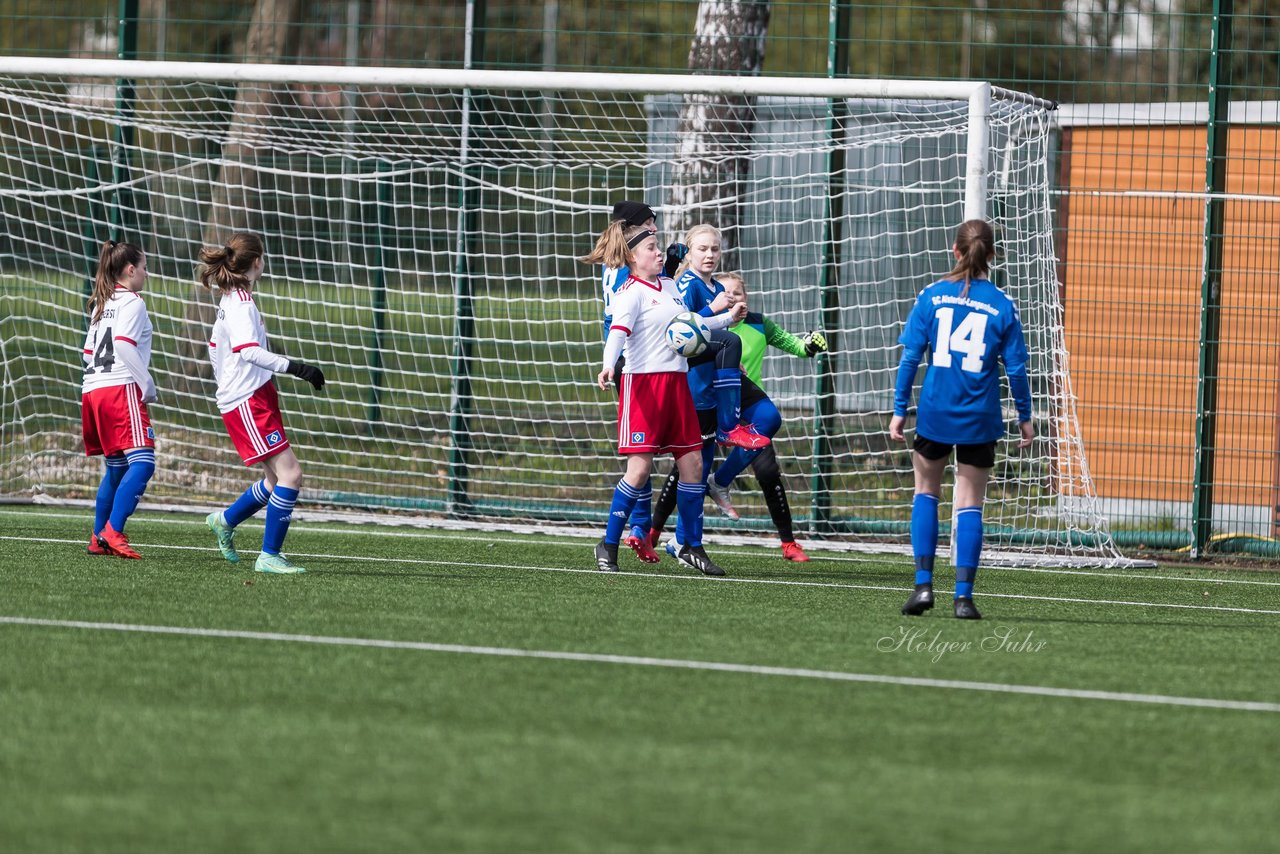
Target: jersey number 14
(104,355)
(968,338)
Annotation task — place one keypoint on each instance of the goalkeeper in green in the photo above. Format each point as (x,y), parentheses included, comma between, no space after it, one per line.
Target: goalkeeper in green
(758,333)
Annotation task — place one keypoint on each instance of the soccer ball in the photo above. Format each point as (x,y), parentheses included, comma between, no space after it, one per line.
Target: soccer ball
(688,334)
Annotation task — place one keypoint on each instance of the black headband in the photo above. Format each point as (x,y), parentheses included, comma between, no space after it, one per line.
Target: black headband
(639,238)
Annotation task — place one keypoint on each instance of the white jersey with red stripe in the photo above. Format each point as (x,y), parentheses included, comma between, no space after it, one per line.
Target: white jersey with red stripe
(239,327)
(123,322)
(642,310)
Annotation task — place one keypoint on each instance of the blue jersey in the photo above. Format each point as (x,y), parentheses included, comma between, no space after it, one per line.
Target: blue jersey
(697,296)
(611,281)
(965,337)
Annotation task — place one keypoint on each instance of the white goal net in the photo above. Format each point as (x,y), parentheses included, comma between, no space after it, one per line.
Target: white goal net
(422,230)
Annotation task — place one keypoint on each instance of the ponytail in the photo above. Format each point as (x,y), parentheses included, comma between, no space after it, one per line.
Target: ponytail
(227,267)
(113,260)
(976,244)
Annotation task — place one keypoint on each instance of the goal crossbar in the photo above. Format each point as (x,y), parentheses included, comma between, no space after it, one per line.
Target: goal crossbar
(978,94)
(456,78)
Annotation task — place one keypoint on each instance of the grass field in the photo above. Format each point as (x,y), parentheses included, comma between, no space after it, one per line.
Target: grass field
(461,691)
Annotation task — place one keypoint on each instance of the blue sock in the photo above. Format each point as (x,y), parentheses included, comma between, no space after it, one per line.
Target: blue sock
(924,535)
(966,548)
(708,457)
(624,500)
(728,391)
(642,513)
(279,515)
(116,465)
(689,499)
(250,501)
(142,464)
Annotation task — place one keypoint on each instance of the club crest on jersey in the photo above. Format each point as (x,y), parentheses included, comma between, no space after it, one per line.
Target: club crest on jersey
(637,437)
(151,433)
(273,438)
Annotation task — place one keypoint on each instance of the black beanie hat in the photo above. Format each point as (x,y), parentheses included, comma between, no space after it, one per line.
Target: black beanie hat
(634,213)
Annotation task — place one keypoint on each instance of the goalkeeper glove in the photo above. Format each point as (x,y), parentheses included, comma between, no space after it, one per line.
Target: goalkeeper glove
(310,373)
(675,254)
(814,343)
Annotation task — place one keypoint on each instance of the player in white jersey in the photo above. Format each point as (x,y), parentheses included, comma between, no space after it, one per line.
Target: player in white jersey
(612,280)
(655,409)
(115,392)
(244,367)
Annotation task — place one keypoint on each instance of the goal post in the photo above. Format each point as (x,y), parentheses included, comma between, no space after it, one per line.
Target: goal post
(423,227)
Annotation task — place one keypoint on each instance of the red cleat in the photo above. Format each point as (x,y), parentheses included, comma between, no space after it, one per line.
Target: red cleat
(792,551)
(96,549)
(116,543)
(641,547)
(655,537)
(743,437)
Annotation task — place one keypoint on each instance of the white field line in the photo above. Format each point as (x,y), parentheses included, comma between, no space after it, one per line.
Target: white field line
(303,556)
(672,663)
(498,536)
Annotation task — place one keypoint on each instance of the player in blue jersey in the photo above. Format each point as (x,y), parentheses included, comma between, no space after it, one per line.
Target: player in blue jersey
(758,333)
(720,387)
(967,325)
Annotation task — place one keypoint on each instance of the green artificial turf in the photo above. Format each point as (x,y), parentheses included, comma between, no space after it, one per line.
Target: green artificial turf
(117,740)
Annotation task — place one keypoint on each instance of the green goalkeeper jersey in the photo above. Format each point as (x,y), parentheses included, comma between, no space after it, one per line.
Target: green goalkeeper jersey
(758,333)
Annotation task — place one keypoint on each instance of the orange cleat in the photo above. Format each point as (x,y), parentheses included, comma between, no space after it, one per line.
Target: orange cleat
(792,551)
(641,547)
(116,543)
(95,549)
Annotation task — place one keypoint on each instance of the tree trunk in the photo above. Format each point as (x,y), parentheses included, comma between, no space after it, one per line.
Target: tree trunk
(713,136)
(233,204)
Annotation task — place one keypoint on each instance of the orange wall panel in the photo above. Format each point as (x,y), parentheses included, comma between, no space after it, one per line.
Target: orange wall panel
(1132,280)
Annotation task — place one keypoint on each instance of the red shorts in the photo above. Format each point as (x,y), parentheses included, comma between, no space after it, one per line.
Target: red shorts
(656,415)
(114,419)
(255,426)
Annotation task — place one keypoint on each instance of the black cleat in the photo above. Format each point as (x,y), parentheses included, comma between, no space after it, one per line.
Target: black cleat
(919,601)
(606,556)
(965,609)
(696,557)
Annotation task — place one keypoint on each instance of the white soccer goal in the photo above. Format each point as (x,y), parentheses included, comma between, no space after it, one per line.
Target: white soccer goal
(422,230)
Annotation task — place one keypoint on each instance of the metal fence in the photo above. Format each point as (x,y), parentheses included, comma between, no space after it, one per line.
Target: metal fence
(1168,204)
